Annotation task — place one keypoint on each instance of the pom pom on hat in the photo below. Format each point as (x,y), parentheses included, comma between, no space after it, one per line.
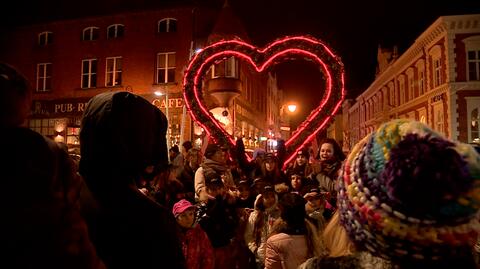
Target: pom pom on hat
(406,191)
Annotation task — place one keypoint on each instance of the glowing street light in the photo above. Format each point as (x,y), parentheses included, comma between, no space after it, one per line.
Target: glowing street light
(292,107)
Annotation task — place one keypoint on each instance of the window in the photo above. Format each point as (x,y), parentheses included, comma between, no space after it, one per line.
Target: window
(167,25)
(421,82)
(165,67)
(411,88)
(438,117)
(391,94)
(473,58)
(401,87)
(45,38)
(474,129)
(73,135)
(437,72)
(90,33)
(226,68)
(43,126)
(44,77)
(89,73)
(115,31)
(114,72)
(473,118)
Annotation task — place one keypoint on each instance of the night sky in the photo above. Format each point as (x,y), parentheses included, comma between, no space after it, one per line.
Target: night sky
(353,29)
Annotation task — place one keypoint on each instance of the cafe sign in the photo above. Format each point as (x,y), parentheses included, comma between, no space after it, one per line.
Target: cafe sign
(172,103)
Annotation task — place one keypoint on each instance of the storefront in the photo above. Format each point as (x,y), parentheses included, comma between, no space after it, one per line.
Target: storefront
(58,119)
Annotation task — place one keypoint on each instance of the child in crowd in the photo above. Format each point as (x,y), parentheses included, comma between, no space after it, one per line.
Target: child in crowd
(196,246)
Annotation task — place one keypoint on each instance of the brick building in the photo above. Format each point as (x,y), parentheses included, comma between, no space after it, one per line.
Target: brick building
(144,52)
(436,81)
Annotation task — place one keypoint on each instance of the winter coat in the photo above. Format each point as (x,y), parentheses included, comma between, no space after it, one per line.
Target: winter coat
(219,220)
(284,251)
(211,167)
(270,215)
(287,251)
(197,249)
(121,134)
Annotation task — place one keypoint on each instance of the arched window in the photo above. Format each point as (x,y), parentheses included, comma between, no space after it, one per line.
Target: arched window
(115,31)
(167,25)
(420,65)
(474,127)
(45,38)
(90,33)
(436,55)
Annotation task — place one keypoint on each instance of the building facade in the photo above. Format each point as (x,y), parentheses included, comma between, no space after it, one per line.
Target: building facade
(146,53)
(436,81)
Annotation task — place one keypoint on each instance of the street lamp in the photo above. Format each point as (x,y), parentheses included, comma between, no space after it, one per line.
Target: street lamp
(285,111)
(292,108)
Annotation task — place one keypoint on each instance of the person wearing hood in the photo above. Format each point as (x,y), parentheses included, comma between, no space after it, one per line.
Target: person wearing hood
(41,225)
(122,136)
(215,163)
(260,223)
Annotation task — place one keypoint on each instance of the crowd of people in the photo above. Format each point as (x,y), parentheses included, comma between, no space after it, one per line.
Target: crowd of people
(403,197)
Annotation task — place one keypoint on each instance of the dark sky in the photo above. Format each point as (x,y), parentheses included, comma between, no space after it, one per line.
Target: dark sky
(353,29)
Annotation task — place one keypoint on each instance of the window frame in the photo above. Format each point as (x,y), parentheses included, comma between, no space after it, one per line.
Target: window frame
(116,30)
(472,43)
(167,22)
(90,73)
(230,68)
(473,102)
(47,36)
(44,79)
(94,33)
(115,71)
(165,67)
(437,71)
(476,62)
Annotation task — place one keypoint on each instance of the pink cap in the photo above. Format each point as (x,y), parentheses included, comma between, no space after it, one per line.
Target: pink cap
(180,207)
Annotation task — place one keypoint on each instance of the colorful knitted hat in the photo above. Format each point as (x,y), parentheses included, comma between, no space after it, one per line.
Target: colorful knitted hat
(407,192)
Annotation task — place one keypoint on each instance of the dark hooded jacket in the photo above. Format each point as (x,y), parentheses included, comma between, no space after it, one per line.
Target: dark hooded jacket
(121,134)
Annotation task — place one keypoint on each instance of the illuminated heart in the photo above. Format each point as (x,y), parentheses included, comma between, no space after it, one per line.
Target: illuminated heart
(298,47)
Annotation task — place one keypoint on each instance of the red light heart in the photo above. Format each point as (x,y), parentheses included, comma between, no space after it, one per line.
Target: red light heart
(307,48)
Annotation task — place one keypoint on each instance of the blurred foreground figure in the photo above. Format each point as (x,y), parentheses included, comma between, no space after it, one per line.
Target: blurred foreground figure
(41,224)
(122,139)
(410,196)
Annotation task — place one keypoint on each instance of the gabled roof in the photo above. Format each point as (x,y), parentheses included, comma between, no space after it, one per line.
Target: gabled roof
(228,26)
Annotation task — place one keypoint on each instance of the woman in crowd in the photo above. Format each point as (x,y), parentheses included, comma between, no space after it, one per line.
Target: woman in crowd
(215,163)
(331,158)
